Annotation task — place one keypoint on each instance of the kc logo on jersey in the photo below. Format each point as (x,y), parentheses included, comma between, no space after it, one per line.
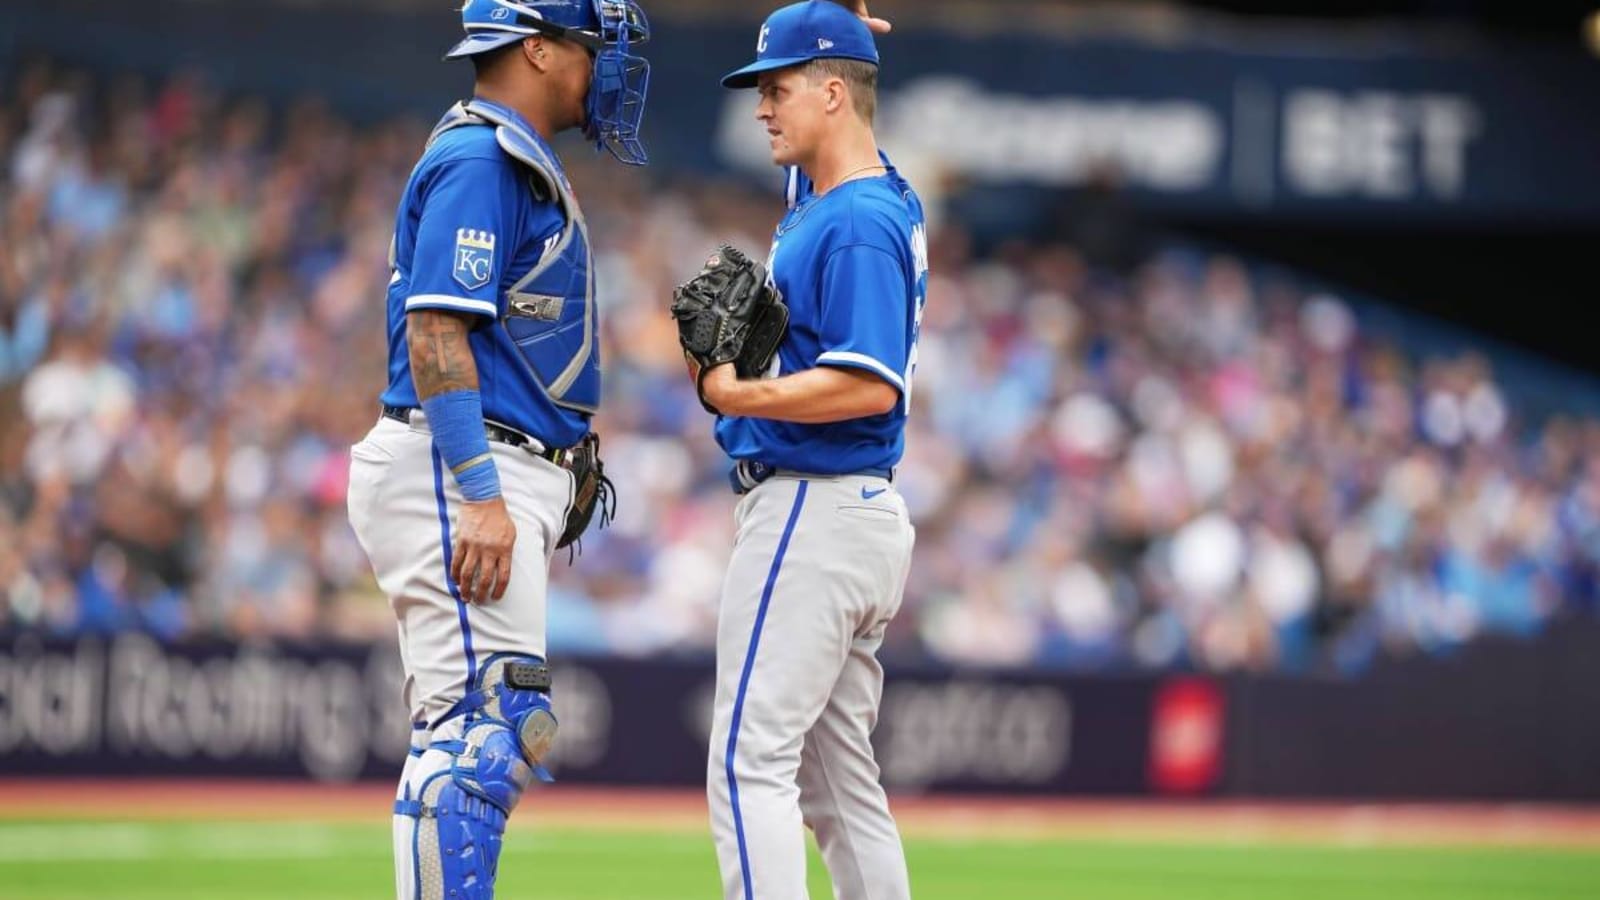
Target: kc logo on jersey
(474,258)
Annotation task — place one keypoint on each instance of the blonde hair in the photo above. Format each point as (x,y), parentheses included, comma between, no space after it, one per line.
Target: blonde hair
(861,77)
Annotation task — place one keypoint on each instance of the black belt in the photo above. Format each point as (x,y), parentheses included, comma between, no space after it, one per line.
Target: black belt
(497,433)
(747,473)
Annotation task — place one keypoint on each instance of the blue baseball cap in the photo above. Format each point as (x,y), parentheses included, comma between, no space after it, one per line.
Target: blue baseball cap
(801,32)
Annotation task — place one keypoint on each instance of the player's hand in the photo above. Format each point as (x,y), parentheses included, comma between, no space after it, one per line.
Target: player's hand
(481,562)
(719,386)
(859,7)
(719,373)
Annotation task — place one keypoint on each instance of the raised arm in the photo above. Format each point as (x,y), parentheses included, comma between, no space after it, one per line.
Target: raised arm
(859,7)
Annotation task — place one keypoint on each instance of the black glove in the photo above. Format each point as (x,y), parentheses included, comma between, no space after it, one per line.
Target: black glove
(591,489)
(729,313)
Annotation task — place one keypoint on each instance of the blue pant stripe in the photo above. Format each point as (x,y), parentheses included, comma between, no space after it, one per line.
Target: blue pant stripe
(455,590)
(744,682)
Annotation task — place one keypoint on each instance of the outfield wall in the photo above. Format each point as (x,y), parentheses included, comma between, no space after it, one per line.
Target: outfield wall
(1512,720)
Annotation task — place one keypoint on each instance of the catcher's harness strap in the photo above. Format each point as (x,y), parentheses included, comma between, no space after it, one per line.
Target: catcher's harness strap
(747,473)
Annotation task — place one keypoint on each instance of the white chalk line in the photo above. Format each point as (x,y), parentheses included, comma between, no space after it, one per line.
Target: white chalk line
(67,841)
(51,842)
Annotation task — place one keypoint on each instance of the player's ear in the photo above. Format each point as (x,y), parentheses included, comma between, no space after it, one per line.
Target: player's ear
(837,94)
(533,50)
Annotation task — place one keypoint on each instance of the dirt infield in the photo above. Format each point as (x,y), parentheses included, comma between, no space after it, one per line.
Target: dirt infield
(1208,821)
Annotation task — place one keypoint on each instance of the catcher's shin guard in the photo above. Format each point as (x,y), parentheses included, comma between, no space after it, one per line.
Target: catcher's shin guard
(460,791)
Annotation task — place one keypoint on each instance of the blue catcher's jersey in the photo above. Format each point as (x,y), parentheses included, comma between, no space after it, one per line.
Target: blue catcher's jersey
(853,268)
(488,225)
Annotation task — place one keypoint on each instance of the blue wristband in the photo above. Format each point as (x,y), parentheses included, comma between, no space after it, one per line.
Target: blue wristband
(456,419)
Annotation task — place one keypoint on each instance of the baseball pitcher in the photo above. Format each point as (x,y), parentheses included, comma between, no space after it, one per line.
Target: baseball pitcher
(815,429)
(482,463)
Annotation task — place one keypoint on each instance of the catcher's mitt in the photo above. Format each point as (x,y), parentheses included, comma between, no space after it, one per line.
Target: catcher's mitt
(591,489)
(730,313)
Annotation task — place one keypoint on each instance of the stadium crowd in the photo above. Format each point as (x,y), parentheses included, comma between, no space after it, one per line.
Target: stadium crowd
(1189,463)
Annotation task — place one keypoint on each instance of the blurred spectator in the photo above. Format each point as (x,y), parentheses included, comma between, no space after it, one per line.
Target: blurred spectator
(1176,462)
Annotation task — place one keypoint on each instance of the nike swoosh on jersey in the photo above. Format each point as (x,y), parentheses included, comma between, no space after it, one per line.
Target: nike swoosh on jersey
(868,495)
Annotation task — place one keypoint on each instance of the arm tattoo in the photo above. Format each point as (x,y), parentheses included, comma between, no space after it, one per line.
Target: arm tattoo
(441,358)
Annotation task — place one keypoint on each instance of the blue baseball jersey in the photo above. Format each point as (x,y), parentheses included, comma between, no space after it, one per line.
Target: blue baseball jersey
(470,225)
(852,265)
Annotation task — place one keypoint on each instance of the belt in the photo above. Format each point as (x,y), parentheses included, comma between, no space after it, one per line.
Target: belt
(497,433)
(747,473)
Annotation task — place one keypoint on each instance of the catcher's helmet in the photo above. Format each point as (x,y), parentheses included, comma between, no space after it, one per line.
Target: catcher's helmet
(607,28)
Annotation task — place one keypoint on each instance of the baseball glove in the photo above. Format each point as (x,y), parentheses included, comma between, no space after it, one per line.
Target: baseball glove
(591,490)
(729,313)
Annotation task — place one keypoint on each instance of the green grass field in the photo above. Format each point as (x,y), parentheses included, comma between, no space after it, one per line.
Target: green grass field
(111,860)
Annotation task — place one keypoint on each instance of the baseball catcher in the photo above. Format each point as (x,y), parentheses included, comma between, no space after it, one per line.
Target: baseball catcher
(483,459)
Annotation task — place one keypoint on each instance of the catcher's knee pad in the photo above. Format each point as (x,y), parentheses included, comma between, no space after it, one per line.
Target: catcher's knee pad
(466,784)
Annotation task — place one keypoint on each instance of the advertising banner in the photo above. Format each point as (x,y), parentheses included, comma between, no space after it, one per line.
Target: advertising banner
(131,706)
(1504,720)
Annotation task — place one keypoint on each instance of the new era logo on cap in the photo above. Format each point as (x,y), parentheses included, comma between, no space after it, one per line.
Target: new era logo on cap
(801,32)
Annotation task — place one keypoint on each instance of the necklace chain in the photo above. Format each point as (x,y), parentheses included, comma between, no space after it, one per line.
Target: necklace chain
(846,176)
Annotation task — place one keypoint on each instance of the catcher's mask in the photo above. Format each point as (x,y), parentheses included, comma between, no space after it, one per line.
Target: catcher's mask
(608,29)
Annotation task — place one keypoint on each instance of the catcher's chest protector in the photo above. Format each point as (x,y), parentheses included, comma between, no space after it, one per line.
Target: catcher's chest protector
(550,311)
